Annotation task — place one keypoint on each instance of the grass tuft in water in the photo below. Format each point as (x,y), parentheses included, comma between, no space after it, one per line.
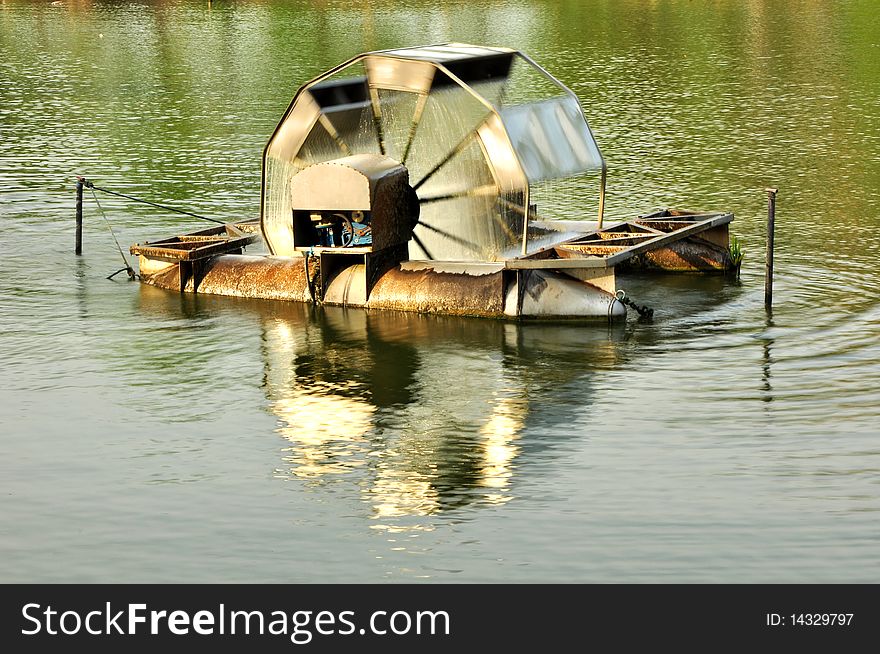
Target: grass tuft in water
(736,253)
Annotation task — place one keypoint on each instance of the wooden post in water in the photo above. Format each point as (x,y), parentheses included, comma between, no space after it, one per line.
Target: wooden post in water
(768,267)
(79,216)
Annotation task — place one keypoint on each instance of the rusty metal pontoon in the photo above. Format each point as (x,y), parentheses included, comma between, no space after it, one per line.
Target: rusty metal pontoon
(403,179)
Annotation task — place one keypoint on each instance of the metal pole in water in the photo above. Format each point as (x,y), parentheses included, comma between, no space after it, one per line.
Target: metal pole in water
(79,217)
(768,267)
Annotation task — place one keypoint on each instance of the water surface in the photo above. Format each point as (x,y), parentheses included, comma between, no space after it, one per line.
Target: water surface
(146,436)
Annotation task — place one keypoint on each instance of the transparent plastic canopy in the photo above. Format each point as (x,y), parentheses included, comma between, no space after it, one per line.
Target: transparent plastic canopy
(474,126)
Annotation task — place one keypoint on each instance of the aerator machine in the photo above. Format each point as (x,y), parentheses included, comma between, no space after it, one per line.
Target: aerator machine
(406,179)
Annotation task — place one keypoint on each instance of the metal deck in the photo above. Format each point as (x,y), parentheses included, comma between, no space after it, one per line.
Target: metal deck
(612,245)
(223,239)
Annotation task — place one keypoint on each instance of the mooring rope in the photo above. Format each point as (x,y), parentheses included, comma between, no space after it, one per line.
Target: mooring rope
(643,310)
(131,273)
(88,184)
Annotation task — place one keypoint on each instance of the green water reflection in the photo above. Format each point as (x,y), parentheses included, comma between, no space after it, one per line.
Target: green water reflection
(146,432)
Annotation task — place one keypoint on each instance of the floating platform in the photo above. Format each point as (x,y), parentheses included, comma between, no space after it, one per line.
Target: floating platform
(574,279)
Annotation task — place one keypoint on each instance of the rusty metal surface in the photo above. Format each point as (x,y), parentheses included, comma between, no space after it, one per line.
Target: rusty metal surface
(270,278)
(428,291)
(474,268)
(197,245)
(690,255)
(159,273)
(249,226)
(616,244)
(273,278)
(496,294)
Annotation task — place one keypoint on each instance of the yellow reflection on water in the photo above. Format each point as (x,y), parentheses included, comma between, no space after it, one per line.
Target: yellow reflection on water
(327,431)
(401,493)
(499,449)
(326,421)
(417,428)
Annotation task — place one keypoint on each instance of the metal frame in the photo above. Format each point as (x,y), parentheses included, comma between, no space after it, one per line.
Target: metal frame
(572,94)
(492,111)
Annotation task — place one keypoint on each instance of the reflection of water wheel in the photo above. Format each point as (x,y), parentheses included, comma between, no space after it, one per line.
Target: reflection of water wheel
(466,123)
